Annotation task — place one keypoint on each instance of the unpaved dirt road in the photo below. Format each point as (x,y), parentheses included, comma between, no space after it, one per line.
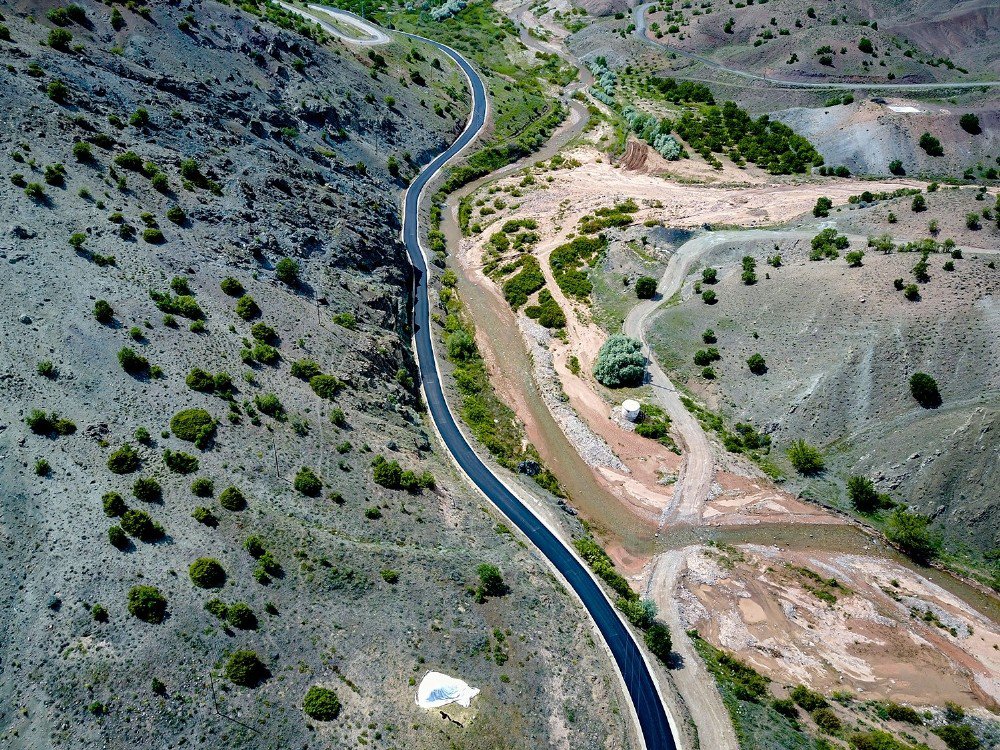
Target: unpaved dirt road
(698,470)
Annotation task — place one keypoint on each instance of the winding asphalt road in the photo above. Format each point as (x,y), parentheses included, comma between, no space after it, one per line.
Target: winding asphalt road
(639,21)
(656,729)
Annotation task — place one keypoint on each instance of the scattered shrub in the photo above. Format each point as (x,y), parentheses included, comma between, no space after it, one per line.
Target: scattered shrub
(239,615)
(970,123)
(147,489)
(139,524)
(207,573)
(305,369)
(924,389)
(827,720)
(103,312)
(232,499)
(658,641)
(59,39)
(180,462)
(269,404)
(806,459)
(232,287)
(912,533)
(203,487)
(192,425)
(118,538)
(931,145)
(307,482)
(254,544)
(133,363)
(246,308)
(205,516)
(810,700)
(491,581)
(321,704)
(245,668)
(114,504)
(390,576)
(325,386)
(125,460)
(709,297)
(147,604)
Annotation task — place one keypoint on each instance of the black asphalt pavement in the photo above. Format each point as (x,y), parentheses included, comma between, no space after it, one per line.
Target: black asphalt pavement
(641,689)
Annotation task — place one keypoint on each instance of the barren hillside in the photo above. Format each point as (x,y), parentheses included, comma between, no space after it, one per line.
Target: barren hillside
(204,289)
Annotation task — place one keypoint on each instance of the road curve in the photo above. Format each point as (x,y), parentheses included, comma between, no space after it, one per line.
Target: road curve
(639,21)
(656,728)
(376,36)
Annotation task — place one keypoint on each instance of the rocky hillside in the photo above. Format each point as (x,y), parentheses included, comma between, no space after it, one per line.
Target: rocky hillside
(203,311)
(839,344)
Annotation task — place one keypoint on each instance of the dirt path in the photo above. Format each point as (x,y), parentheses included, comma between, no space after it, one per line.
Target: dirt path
(698,469)
(695,684)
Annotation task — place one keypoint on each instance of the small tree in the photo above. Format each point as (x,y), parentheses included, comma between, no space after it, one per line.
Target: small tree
(709,297)
(970,123)
(925,390)
(658,641)
(645,287)
(491,581)
(911,532)
(861,491)
(822,207)
(757,364)
(919,204)
(287,271)
(854,258)
(245,668)
(806,459)
(321,704)
(620,362)
(147,604)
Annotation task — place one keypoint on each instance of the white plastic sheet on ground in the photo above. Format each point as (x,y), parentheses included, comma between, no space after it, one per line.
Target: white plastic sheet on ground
(438,689)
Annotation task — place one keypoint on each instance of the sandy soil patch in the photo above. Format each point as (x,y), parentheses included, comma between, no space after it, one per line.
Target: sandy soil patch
(882,631)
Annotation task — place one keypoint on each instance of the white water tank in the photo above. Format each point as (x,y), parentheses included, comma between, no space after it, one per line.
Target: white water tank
(630,409)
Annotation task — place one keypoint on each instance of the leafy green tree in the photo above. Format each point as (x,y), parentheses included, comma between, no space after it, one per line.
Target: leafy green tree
(912,533)
(970,123)
(924,389)
(207,573)
(491,581)
(147,604)
(287,271)
(658,641)
(822,207)
(645,287)
(806,459)
(757,364)
(307,482)
(620,362)
(862,493)
(321,704)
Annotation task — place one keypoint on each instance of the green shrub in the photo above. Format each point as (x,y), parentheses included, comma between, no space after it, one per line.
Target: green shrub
(232,499)
(205,516)
(913,535)
(709,297)
(925,390)
(35,191)
(286,271)
(103,312)
(658,641)
(307,482)
(346,320)
(207,573)
(99,613)
(305,369)
(875,739)
(232,287)
(325,386)
(114,504)
(263,332)
(808,699)
(147,604)
(710,275)
(269,404)
(373,514)
(254,545)
(491,581)
(822,207)
(620,362)
(806,459)
(180,462)
(118,538)
(862,494)
(184,305)
(645,287)
(153,236)
(958,737)
(265,353)
(785,707)
(139,118)
(41,423)
(931,145)
(139,524)
(245,668)
(147,489)
(59,39)
(321,704)
(267,566)
(217,608)
(386,473)
(757,364)
(246,308)
(970,123)
(389,576)
(192,424)
(55,174)
(827,720)
(199,380)
(132,363)
(906,714)
(42,467)
(203,487)
(524,283)
(239,615)
(125,460)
